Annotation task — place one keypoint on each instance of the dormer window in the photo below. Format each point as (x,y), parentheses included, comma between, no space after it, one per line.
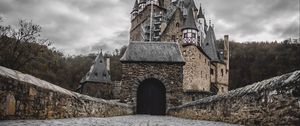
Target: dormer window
(100,61)
(222,72)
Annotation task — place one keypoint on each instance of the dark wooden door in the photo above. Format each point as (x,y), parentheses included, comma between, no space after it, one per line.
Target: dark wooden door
(151,98)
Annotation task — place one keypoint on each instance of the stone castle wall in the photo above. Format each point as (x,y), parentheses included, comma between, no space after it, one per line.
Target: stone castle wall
(135,31)
(220,77)
(172,31)
(275,101)
(196,75)
(213,73)
(222,73)
(26,97)
(170,74)
(98,90)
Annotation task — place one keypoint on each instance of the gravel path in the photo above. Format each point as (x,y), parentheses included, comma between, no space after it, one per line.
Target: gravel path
(136,120)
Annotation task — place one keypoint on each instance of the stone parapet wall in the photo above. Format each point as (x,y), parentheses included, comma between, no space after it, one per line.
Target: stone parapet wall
(275,101)
(26,97)
(98,90)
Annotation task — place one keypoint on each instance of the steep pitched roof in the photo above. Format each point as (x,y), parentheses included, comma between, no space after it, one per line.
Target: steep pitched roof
(142,1)
(153,52)
(209,45)
(190,21)
(190,3)
(98,72)
(200,13)
(136,6)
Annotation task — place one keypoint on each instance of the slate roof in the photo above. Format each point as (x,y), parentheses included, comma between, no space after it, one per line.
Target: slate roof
(209,45)
(200,13)
(142,1)
(190,21)
(98,72)
(190,3)
(136,6)
(153,52)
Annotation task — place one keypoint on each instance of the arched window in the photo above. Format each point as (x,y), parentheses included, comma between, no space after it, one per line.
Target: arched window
(185,35)
(177,24)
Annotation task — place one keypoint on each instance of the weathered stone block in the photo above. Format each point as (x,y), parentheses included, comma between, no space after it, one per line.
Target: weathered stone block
(270,102)
(24,99)
(10,104)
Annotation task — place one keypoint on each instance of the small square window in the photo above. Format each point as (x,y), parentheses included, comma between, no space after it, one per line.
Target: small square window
(222,72)
(193,35)
(211,71)
(185,35)
(173,38)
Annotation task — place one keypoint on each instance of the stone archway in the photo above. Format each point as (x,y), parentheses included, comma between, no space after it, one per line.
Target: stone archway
(151,97)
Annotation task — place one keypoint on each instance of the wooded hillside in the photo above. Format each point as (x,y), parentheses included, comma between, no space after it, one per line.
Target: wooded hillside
(22,49)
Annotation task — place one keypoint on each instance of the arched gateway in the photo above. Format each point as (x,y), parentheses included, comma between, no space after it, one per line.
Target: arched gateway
(152,77)
(151,97)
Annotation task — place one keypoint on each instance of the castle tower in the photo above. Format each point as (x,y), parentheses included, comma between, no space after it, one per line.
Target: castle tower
(135,10)
(201,22)
(97,82)
(189,29)
(180,21)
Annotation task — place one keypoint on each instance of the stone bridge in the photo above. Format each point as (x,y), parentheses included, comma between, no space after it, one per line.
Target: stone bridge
(275,101)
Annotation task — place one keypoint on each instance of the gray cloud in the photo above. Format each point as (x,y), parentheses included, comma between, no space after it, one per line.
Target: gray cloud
(107,44)
(248,20)
(84,26)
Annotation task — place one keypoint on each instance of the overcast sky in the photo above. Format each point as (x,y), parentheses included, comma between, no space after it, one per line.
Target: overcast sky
(86,26)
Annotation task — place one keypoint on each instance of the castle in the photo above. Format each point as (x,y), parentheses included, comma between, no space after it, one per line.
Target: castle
(180,21)
(172,58)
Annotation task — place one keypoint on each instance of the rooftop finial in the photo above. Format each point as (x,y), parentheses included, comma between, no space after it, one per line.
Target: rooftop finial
(209,22)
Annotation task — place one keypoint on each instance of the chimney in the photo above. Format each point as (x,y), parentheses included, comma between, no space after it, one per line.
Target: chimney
(108,64)
(226,50)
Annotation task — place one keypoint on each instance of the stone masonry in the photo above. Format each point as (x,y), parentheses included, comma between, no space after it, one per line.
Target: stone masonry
(196,70)
(275,101)
(169,74)
(25,97)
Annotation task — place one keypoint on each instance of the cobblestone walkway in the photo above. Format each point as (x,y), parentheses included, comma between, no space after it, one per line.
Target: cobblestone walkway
(136,120)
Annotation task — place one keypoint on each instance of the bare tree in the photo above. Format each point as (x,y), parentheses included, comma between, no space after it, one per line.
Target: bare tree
(21,45)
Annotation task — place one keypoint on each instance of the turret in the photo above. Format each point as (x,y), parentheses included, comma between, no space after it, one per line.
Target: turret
(201,17)
(201,25)
(135,10)
(189,29)
(97,82)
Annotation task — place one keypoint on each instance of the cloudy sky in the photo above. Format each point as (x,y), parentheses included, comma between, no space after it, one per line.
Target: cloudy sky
(85,26)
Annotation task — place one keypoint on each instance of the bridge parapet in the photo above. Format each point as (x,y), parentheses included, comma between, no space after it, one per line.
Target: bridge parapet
(23,96)
(275,101)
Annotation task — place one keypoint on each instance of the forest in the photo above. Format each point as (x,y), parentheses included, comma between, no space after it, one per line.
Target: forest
(23,49)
